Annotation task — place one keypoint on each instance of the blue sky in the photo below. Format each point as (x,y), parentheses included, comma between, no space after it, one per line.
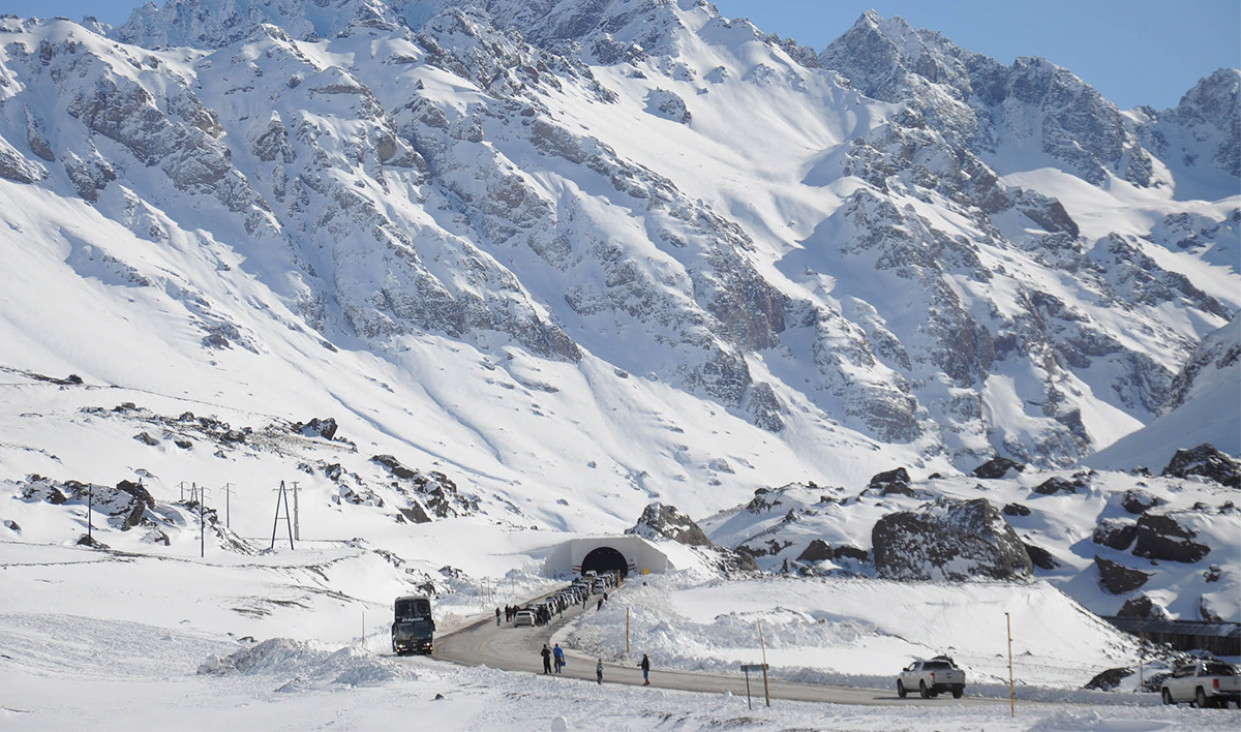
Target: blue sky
(1133,51)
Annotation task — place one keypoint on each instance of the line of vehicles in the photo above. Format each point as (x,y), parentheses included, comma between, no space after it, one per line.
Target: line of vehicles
(578,591)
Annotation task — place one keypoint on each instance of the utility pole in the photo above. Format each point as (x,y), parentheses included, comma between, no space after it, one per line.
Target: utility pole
(297,529)
(202,523)
(1141,654)
(1012,697)
(763,645)
(282,495)
(228,494)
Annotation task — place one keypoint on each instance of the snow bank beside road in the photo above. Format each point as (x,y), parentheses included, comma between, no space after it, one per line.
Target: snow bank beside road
(306,661)
(856,631)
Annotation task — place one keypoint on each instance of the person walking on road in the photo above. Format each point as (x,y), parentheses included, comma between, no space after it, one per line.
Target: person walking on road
(547,659)
(497,617)
(646,670)
(558,652)
(599,672)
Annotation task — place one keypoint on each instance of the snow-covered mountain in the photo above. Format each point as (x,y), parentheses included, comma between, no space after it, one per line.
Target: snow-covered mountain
(543,263)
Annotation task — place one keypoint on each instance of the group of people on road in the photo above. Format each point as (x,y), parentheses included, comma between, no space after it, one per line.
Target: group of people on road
(554,661)
(550,656)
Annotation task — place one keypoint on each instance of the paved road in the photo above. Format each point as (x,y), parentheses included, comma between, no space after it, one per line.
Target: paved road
(517,649)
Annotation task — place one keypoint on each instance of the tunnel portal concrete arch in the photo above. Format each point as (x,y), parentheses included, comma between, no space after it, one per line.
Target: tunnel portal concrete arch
(632,555)
(605,560)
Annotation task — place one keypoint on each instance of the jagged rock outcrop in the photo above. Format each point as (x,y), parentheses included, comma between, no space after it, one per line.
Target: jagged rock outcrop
(659,521)
(971,98)
(949,540)
(1207,462)
(1210,112)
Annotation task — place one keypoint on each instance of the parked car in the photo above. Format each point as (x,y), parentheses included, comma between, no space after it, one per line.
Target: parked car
(1203,683)
(931,677)
(524,617)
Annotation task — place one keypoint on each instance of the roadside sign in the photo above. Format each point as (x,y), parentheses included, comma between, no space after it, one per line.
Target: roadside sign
(747,668)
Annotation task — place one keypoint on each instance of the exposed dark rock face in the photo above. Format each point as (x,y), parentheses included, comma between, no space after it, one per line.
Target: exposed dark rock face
(1115,534)
(997,467)
(1041,558)
(659,521)
(891,481)
(435,489)
(1210,111)
(817,551)
(325,428)
(1143,606)
(851,552)
(1109,679)
(1166,538)
(1138,501)
(1056,484)
(949,540)
(1207,462)
(1117,578)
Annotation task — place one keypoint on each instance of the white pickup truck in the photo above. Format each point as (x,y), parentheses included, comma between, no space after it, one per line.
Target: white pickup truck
(930,677)
(1205,683)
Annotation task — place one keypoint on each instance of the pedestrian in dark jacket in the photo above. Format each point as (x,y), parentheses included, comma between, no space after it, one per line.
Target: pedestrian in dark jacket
(599,671)
(547,659)
(497,616)
(646,670)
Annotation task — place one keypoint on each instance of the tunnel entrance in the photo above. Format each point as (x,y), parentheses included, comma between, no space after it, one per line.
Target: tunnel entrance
(605,560)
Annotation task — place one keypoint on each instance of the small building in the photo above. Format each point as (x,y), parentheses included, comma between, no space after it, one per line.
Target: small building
(1218,639)
(604,554)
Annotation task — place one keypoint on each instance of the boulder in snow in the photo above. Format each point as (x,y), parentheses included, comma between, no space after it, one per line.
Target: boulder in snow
(1166,538)
(666,522)
(1207,462)
(949,540)
(1117,578)
(997,467)
(891,481)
